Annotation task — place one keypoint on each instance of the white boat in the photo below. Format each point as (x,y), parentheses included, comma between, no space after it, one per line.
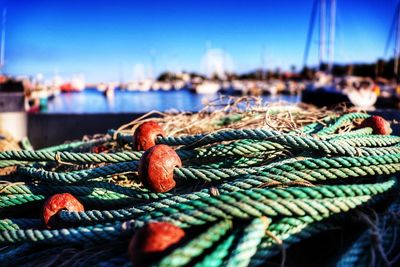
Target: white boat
(145,85)
(360,92)
(132,86)
(166,86)
(363,98)
(101,87)
(78,82)
(239,87)
(208,87)
(156,86)
(142,86)
(179,84)
(109,92)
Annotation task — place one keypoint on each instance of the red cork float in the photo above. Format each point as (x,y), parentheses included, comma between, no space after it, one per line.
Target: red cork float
(146,134)
(156,168)
(57,203)
(98,149)
(378,124)
(151,240)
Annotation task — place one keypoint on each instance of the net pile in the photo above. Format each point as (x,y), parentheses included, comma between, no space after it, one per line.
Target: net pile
(259,185)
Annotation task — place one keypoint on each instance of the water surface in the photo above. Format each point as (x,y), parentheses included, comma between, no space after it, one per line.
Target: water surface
(92,101)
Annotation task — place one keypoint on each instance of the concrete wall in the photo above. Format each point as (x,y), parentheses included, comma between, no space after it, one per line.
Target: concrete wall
(52,129)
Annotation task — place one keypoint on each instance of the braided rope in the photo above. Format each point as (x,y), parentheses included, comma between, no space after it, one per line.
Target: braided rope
(241,162)
(217,257)
(78,176)
(341,121)
(90,234)
(293,141)
(289,231)
(183,255)
(258,202)
(309,169)
(248,243)
(367,140)
(94,198)
(28,155)
(98,188)
(15,224)
(211,174)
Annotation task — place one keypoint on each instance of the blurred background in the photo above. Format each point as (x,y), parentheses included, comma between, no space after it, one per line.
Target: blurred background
(73,67)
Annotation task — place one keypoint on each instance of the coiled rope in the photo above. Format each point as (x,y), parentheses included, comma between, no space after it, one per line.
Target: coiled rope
(251,191)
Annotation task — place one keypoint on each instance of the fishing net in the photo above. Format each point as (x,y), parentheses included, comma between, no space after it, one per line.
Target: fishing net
(260,185)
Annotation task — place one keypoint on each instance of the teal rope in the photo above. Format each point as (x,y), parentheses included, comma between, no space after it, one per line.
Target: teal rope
(295,212)
(213,174)
(311,169)
(247,148)
(289,231)
(76,145)
(183,255)
(368,140)
(15,200)
(341,121)
(81,190)
(293,141)
(248,243)
(89,234)
(218,255)
(16,224)
(258,202)
(28,155)
(78,176)
(361,131)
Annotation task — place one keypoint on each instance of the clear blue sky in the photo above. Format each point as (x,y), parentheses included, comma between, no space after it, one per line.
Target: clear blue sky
(104,39)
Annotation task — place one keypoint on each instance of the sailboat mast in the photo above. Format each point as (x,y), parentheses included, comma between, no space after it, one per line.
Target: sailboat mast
(3,39)
(397,45)
(332,28)
(322,16)
(310,32)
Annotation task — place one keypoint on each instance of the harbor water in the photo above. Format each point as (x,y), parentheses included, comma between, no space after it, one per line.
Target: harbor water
(92,101)
(96,113)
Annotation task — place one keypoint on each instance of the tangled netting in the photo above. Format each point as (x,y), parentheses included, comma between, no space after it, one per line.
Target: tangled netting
(245,196)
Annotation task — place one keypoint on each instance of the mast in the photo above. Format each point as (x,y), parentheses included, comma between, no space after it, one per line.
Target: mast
(391,30)
(397,45)
(3,39)
(332,26)
(322,16)
(310,32)
(262,76)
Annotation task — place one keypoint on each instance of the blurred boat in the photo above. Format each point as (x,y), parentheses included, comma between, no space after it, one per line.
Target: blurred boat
(165,86)
(208,87)
(238,88)
(109,92)
(77,84)
(179,84)
(142,86)
(156,86)
(359,91)
(363,98)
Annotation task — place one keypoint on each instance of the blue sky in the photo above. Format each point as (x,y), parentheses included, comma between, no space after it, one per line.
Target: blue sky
(105,39)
